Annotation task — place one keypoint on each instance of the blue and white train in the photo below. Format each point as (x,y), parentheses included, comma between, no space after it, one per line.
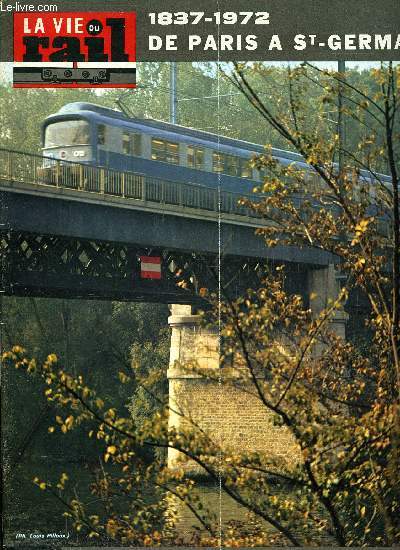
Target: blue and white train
(98,136)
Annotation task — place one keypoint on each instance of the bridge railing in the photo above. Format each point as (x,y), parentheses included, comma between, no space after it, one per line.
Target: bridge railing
(39,170)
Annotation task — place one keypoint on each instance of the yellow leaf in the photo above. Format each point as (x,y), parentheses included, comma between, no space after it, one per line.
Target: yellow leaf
(42,486)
(112,450)
(69,421)
(123,377)
(362,226)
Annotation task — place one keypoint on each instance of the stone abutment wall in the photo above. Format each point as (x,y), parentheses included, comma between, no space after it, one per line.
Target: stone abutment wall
(222,403)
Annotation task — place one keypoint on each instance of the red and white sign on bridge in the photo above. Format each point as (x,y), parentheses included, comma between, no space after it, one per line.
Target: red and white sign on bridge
(150,267)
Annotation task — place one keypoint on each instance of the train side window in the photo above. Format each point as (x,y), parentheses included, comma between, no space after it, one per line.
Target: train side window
(245,169)
(101,134)
(195,157)
(262,173)
(231,165)
(157,149)
(218,162)
(137,145)
(132,144)
(165,151)
(172,153)
(126,143)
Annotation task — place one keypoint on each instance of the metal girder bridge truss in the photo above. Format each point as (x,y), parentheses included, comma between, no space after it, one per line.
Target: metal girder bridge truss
(62,267)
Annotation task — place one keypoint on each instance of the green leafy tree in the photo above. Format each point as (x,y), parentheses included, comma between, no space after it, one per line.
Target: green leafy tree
(99,355)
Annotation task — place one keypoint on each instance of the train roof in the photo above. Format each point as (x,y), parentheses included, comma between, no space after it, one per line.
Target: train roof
(84,108)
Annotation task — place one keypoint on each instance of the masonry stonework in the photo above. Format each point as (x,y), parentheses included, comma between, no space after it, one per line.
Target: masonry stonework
(225,407)
(221,405)
(219,401)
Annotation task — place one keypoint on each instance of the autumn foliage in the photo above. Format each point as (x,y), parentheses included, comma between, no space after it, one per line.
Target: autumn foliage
(338,398)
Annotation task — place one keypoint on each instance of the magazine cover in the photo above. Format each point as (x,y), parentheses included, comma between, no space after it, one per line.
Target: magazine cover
(200,258)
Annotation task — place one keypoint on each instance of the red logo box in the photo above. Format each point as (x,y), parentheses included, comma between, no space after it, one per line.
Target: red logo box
(75,50)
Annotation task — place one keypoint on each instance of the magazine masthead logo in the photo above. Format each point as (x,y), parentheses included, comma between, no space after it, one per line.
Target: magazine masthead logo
(80,49)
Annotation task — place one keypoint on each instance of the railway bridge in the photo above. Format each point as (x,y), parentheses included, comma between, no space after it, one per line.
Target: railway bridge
(77,231)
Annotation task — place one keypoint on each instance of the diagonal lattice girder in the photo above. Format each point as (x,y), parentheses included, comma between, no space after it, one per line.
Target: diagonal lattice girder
(49,265)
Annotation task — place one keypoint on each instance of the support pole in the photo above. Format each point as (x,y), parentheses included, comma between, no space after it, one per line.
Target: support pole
(173,109)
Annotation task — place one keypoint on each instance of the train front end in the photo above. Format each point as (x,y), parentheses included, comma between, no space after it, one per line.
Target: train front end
(68,149)
(67,140)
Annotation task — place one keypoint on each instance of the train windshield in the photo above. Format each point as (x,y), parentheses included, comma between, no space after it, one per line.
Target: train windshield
(70,132)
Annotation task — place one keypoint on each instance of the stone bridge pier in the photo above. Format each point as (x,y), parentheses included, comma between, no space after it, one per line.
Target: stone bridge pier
(233,418)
